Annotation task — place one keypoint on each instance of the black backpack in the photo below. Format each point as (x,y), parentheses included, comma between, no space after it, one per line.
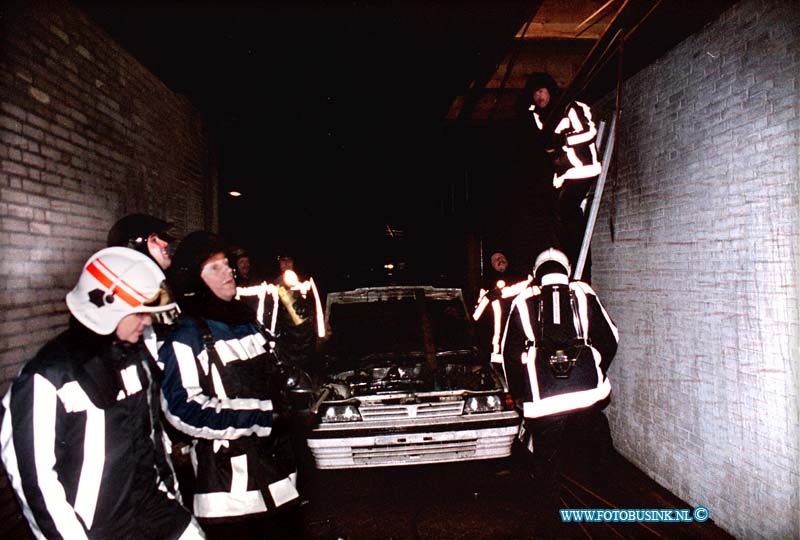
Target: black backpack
(564,359)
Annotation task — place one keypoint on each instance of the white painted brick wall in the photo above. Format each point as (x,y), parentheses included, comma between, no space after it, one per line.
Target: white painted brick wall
(702,275)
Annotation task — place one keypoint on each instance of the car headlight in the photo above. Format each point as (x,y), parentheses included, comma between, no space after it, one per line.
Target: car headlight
(339,413)
(483,404)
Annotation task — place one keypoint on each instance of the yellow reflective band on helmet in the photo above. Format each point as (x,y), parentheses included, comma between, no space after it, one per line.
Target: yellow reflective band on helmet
(162,297)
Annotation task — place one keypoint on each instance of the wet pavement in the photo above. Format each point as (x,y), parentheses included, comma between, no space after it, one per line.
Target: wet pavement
(447,502)
(481,500)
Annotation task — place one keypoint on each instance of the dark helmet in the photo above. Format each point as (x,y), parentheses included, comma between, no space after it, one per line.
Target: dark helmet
(133,230)
(283,253)
(237,252)
(284,257)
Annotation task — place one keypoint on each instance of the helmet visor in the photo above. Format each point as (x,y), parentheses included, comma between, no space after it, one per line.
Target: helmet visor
(162,298)
(162,306)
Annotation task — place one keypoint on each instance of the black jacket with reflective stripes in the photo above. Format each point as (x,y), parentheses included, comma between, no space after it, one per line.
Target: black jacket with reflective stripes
(548,327)
(83,445)
(574,155)
(226,401)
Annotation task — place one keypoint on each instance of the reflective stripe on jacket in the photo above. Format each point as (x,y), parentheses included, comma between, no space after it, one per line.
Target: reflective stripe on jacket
(83,446)
(579,151)
(226,404)
(530,377)
(500,301)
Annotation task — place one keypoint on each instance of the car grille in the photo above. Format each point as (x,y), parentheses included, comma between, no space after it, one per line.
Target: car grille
(367,446)
(413,410)
(426,452)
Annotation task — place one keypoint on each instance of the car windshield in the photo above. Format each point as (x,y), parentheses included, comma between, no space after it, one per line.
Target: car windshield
(392,327)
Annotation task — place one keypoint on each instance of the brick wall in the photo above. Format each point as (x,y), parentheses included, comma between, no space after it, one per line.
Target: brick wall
(87,135)
(702,275)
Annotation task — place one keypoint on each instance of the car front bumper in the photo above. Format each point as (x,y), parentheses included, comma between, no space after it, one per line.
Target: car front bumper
(413,441)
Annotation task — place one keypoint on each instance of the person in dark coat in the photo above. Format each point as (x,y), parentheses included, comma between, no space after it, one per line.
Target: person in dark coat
(558,346)
(146,234)
(574,157)
(150,236)
(503,282)
(81,436)
(220,387)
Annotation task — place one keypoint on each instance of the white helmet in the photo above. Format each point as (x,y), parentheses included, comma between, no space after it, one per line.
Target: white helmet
(116,282)
(551,255)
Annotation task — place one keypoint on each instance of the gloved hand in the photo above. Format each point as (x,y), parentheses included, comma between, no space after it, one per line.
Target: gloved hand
(301,307)
(494,294)
(555,143)
(561,163)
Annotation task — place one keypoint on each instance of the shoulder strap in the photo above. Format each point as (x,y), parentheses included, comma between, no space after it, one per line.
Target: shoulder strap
(576,317)
(205,332)
(211,353)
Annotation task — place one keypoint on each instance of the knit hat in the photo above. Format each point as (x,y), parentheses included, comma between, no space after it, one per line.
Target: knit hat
(194,250)
(193,295)
(540,80)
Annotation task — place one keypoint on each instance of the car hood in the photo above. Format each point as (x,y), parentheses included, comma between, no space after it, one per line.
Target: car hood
(388,340)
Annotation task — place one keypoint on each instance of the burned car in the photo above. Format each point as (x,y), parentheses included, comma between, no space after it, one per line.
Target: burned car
(400,382)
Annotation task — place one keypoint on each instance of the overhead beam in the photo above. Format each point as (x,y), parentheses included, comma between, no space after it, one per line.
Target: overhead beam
(553,30)
(585,23)
(626,16)
(476,90)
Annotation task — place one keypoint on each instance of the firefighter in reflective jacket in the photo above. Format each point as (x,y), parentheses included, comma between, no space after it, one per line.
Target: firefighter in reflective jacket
(499,299)
(503,284)
(221,388)
(81,437)
(573,154)
(292,312)
(558,345)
